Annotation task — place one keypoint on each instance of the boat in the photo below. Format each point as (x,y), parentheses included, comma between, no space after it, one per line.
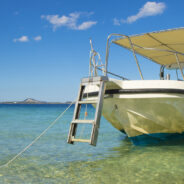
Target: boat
(147,111)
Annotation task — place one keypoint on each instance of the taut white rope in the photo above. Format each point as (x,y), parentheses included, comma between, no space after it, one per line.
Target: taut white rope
(36,139)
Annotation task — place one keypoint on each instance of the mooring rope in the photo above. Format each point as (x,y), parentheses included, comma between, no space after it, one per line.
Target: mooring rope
(36,139)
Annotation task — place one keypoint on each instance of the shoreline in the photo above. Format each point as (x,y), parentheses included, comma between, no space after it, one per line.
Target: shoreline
(33,103)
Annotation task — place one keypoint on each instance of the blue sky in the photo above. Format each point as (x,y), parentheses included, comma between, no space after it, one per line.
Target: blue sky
(45,43)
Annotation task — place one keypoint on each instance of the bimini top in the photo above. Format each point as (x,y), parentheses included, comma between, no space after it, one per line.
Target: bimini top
(163,47)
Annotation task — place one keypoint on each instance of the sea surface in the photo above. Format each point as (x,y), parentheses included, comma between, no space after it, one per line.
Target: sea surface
(52,160)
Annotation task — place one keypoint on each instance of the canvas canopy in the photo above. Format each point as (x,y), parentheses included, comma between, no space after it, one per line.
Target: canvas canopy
(160,47)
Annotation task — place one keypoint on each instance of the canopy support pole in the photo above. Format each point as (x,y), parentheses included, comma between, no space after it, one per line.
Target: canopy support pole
(132,48)
(177,59)
(136,60)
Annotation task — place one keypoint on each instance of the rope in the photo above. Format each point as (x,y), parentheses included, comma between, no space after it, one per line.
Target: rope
(37,138)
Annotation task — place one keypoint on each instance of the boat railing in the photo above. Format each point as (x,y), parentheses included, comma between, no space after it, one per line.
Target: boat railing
(132,48)
(116,75)
(95,63)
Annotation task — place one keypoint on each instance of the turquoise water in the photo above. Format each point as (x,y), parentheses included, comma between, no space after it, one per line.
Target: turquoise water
(52,160)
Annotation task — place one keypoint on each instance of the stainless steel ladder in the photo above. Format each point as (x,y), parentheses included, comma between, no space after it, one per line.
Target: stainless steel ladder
(99,80)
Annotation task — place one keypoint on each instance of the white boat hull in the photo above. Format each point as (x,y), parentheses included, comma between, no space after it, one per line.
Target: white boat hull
(146,117)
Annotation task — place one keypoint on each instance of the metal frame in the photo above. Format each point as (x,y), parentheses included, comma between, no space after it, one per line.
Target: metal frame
(177,59)
(132,48)
(134,53)
(93,64)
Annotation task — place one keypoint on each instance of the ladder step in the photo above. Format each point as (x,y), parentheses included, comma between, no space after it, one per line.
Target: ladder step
(81,140)
(88,102)
(83,121)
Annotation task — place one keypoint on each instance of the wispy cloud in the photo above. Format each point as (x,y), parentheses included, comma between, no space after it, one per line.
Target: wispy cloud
(86,25)
(149,9)
(116,22)
(69,21)
(26,39)
(21,39)
(16,13)
(37,38)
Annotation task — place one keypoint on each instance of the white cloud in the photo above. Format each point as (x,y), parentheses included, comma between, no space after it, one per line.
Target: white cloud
(37,38)
(68,21)
(21,39)
(116,22)
(86,25)
(149,9)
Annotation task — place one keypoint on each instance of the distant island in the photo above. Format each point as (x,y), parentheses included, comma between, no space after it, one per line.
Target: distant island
(33,101)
